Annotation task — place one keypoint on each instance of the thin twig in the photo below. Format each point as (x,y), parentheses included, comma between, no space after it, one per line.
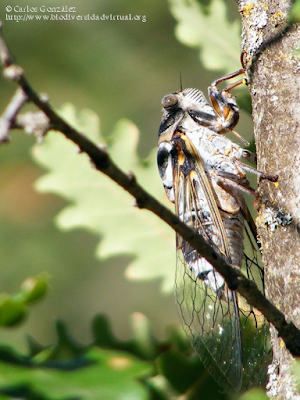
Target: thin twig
(8,117)
(233,276)
(33,123)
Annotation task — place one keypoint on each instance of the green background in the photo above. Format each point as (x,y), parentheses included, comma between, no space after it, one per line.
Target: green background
(117,69)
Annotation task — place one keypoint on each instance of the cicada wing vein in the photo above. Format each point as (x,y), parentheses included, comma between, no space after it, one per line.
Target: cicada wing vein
(208,309)
(213,317)
(211,324)
(257,353)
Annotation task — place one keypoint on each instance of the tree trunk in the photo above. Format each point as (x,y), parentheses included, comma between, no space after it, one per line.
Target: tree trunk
(274,80)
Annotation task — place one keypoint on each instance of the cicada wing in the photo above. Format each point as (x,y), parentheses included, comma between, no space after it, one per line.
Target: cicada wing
(211,324)
(257,354)
(207,308)
(229,335)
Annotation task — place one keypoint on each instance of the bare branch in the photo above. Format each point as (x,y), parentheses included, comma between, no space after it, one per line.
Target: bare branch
(35,123)
(99,157)
(7,119)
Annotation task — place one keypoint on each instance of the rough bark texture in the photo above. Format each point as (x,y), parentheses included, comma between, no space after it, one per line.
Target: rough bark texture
(274,74)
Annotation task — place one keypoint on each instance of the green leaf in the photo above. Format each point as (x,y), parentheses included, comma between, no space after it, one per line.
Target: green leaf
(13,309)
(143,343)
(186,374)
(34,288)
(217,38)
(100,206)
(107,375)
(69,371)
(161,388)
(254,394)
(296,372)
(294,14)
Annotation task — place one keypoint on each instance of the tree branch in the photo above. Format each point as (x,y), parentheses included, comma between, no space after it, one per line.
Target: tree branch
(102,162)
(10,113)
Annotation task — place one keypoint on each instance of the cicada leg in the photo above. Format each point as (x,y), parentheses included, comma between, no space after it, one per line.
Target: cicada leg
(225,107)
(261,175)
(224,103)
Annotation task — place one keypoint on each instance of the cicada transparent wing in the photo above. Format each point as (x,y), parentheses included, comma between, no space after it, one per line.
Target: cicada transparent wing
(212,326)
(207,308)
(256,348)
(228,335)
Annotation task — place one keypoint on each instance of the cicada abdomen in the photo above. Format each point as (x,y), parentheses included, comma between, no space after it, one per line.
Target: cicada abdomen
(202,174)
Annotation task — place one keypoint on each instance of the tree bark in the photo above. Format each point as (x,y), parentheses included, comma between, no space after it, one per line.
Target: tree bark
(273,66)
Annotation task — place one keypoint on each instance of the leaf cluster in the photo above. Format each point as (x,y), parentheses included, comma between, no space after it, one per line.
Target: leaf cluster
(108,368)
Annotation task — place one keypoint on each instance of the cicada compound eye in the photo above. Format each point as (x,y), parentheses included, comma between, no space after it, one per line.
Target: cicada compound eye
(170,100)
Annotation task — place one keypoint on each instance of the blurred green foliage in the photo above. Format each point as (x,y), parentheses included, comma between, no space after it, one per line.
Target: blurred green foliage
(294,14)
(209,30)
(118,69)
(68,371)
(14,308)
(121,70)
(100,206)
(255,394)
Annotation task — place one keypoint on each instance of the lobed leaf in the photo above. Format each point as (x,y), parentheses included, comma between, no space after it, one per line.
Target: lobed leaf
(100,206)
(217,38)
(107,375)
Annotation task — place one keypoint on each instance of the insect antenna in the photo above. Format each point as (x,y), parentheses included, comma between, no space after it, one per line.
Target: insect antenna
(180,81)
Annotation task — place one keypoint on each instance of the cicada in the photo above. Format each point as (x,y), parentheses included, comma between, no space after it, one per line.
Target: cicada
(203,174)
